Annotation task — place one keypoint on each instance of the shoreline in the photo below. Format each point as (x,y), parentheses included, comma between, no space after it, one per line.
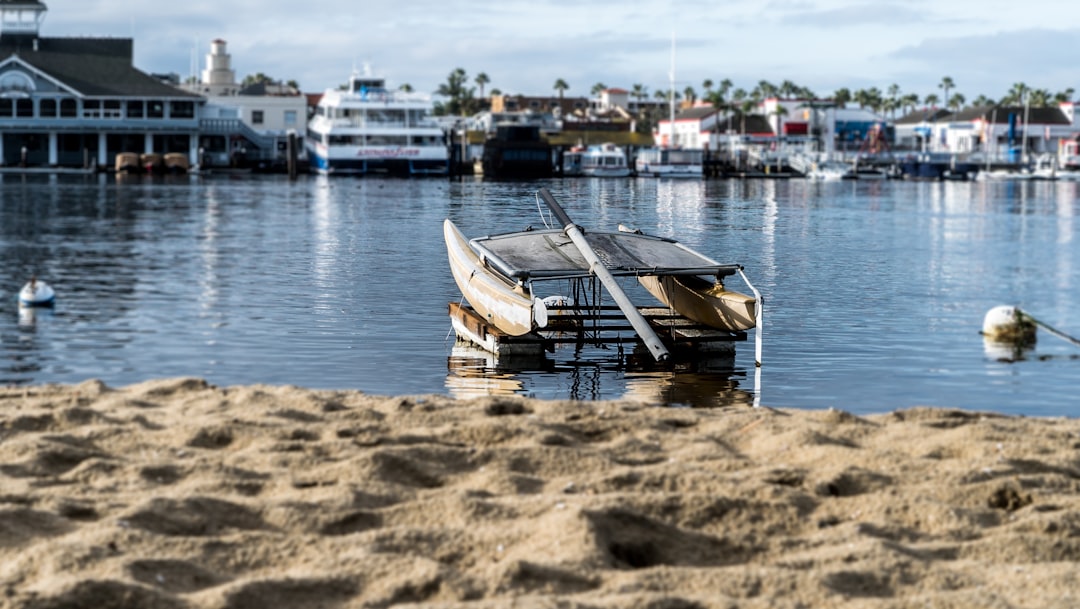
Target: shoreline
(177,493)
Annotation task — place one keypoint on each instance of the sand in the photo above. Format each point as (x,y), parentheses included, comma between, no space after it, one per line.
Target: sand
(177,493)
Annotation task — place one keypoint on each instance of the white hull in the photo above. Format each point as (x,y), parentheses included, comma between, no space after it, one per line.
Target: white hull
(502,304)
(369,129)
(669,163)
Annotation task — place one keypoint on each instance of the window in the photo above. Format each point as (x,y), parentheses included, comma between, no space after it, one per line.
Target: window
(136,109)
(290,118)
(256,117)
(91,108)
(68,108)
(182,109)
(48,108)
(6,107)
(155,108)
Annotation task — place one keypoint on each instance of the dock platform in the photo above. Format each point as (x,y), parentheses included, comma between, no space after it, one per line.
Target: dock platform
(594,326)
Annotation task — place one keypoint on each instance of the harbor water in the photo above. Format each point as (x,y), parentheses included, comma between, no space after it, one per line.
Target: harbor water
(874,291)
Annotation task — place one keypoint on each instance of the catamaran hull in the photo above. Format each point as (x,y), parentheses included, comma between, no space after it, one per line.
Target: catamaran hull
(500,303)
(701,300)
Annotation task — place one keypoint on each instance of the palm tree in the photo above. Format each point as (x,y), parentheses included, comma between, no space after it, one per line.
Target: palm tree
(725,87)
(460,97)
(560,86)
(842,96)
(598,88)
(1015,95)
(689,94)
(946,84)
(707,84)
(481,80)
(956,102)
(932,100)
(1064,96)
(406,88)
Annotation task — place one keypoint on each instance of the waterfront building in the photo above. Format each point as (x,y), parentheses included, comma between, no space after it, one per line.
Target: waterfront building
(79,102)
(246,124)
(1002,133)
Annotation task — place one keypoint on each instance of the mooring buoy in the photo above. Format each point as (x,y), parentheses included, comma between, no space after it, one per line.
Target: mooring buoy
(1010,325)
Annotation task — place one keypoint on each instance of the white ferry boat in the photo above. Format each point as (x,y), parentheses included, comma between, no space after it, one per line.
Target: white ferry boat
(369,129)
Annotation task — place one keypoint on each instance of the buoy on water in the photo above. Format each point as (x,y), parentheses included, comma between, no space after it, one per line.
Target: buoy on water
(36,294)
(1009,325)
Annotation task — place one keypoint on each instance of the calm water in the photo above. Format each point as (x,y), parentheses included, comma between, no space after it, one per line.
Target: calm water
(875,291)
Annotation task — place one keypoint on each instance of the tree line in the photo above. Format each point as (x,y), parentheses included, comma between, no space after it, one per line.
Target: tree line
(461,99)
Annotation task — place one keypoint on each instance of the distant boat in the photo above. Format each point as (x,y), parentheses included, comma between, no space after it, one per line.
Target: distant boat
(177,162)
(128,162)
(670,163)
(571,162)
(369,129)
(36,294)
(604,161)
(829,171)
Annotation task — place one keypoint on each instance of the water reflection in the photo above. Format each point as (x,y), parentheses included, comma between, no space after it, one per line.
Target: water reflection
(708,381)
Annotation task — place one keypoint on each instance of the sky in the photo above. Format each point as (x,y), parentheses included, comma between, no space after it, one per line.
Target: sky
(524,47)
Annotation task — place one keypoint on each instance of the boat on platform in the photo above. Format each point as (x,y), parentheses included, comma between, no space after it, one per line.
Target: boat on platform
(369,129)
(537,284)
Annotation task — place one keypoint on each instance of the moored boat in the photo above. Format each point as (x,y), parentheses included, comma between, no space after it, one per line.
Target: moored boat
(176,162)
(503,277)
(604,161)
(369,129)
(670,163)
(128,162)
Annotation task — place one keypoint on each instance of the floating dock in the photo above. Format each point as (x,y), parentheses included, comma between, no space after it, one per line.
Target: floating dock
(595,326)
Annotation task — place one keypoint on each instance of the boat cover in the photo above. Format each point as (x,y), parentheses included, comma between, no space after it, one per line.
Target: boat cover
(549,254)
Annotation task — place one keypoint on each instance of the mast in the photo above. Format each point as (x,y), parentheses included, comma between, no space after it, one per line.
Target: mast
(671,95)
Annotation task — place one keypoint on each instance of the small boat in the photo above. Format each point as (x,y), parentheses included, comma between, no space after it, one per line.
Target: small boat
(36,294)
(571,162)
(670,163)
(176,163)
(501,276)
(829,171)
(604,161)
(128,162)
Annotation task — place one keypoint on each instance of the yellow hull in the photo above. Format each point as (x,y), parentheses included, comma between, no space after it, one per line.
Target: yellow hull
(503,305)
(699,299)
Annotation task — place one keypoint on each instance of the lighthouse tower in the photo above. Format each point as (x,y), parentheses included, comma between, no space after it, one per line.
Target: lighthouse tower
(21,18)
(218,78)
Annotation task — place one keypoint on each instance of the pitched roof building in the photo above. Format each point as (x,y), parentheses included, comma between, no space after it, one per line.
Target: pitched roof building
(81,101)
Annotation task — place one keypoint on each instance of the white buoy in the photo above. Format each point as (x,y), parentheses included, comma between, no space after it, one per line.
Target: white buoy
(1008,324)
(36,293)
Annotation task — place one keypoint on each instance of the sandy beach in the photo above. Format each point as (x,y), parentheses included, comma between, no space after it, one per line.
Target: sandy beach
(177,493)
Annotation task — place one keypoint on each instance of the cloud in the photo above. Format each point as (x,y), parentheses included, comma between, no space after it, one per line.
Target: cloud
(854,15)
(1032,56)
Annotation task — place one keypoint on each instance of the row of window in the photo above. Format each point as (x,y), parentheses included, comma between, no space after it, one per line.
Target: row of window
(382,140)
(95,108)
